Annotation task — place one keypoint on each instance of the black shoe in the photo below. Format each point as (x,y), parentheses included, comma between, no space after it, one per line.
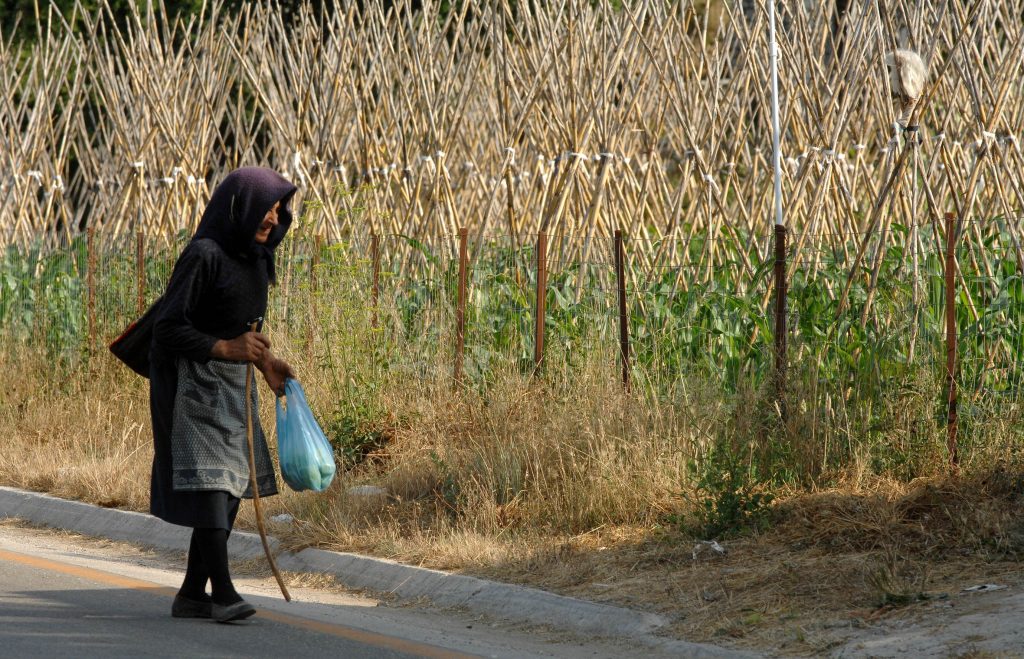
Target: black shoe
(184,607)
(231,612)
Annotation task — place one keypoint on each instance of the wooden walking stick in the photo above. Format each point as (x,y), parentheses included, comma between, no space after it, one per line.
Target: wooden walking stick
(252,476)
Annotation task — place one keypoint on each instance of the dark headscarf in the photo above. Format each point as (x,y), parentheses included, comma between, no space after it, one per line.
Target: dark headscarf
(238,206)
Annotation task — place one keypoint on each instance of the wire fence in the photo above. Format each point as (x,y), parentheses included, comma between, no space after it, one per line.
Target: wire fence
(672,322)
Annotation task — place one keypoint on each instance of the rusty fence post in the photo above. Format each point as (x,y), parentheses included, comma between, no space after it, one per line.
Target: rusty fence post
(780,316)
(140,272)
(90,283)
(951,365)
(375,258)
(314,290)
(460,309)
(620,276)
(542,285)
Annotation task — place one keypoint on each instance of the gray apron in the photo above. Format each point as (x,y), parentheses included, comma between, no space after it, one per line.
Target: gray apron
(209,449)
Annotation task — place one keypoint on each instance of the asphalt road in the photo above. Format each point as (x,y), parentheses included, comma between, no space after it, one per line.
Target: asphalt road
(68,596)
(52,609)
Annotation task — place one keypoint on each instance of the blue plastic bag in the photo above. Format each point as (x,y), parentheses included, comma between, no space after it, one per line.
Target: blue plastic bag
(307,461)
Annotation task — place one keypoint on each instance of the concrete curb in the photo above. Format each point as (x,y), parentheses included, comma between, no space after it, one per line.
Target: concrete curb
(501,600)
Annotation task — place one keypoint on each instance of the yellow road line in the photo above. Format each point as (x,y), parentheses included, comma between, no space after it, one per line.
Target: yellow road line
(357,635)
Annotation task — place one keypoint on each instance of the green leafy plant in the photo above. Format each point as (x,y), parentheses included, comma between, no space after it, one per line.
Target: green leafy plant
(730,496)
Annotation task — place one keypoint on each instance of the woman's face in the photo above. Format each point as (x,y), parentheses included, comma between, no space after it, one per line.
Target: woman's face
(268,224)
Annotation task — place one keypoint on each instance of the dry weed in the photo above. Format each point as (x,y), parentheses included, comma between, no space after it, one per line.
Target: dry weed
(565,484)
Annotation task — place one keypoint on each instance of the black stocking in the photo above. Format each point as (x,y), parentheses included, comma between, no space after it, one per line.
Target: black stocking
(196,572)
(213,548)
(196,576)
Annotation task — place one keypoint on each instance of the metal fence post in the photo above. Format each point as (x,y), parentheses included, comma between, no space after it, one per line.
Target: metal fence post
(90,283)
(460,310)
(542,285)
(780,316)
(620,276)
(140,272)
(375,257)
(951,388)
(314,289)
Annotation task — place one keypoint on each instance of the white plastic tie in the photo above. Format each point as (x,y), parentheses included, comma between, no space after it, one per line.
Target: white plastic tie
(711,181)
(860,147)
(35,174)
(138,164)
(439,155)
(58,183)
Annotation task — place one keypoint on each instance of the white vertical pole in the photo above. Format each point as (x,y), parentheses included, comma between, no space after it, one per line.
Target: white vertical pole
(776,155)
(781,316)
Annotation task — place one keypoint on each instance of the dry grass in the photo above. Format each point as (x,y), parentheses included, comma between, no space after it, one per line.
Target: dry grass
(81,435)
(567,488)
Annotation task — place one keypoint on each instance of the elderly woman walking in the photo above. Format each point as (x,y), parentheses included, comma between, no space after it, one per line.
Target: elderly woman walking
(202,344)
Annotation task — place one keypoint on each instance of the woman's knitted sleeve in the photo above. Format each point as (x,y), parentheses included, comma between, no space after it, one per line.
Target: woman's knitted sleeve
(175,329)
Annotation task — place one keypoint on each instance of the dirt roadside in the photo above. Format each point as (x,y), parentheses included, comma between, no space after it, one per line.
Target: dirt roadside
(886,571)
(889,571)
